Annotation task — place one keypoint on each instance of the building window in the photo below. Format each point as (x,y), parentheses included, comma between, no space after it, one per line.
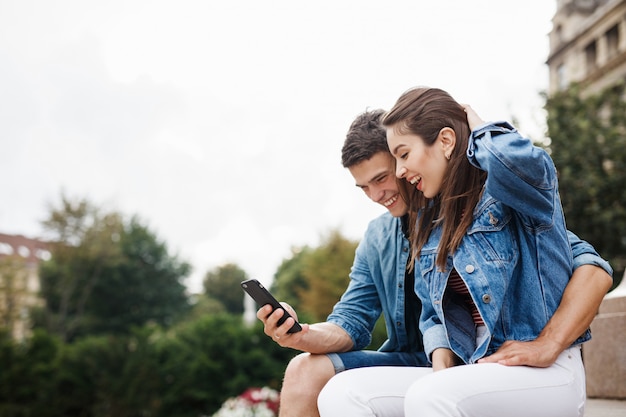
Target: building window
(591,57)
(559,34)
(43,254)
(6,249)
(612,41)
(23,251)
(561,77)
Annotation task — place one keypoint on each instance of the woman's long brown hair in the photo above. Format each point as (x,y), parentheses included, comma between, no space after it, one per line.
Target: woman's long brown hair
(424,112)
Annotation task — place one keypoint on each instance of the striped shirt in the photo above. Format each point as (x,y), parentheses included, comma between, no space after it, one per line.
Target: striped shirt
(456,284)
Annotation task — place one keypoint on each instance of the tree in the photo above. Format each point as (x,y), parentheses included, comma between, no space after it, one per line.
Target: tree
(289,280)
(213,358)
(145,287)
(314,279)
(82,243)
(187,370)
(327,270)
(107,275)
(223,284)
(588,146)
(203,305)
(28,377)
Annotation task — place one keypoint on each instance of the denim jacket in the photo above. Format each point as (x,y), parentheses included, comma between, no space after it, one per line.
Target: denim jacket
(377,286)
(515,257)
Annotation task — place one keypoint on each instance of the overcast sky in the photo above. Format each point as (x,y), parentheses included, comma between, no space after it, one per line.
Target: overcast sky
(220,124)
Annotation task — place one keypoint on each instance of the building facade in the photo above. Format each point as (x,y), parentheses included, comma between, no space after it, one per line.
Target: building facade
(19,281)
(587,45)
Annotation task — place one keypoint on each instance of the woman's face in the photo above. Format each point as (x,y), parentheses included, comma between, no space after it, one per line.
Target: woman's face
(421,165)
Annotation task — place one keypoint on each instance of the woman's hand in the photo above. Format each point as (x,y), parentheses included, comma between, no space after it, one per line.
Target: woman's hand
(472,118)
(443,358)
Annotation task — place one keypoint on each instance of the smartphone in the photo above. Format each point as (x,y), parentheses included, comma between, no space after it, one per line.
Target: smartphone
(262,296)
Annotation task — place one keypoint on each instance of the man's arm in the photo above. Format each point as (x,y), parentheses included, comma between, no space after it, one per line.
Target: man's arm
(349,326)
(579,305)
(316,338)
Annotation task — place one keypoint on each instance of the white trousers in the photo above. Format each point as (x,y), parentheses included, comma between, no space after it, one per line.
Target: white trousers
(478,390)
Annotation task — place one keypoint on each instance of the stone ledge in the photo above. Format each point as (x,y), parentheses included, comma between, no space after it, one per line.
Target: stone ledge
(605,354)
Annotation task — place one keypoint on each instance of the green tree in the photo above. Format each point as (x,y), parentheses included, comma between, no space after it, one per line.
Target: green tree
(145,287)
(214,358)
(223,284)
(110,376)
(588,146)
(203,305)
(187,370)
(326,270)
(289,280)
(107,275)
(313,280)
(28,376)
(82,243)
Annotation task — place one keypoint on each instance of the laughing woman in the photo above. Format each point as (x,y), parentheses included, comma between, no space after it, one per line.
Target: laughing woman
(493,255)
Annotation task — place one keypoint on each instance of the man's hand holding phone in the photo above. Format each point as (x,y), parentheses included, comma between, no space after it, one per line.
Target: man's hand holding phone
(279,319)
(278,329)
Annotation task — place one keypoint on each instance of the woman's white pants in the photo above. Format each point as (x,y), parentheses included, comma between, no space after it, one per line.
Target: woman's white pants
(478,390)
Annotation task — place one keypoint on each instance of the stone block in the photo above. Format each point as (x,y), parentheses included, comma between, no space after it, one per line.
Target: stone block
(605,354)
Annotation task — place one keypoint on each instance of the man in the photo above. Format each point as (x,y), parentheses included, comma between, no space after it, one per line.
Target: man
(380,283)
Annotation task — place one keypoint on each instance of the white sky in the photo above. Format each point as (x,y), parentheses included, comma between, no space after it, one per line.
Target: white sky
(220,124)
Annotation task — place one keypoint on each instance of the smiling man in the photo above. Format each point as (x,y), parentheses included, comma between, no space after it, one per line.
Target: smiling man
(379,284)
(373,176)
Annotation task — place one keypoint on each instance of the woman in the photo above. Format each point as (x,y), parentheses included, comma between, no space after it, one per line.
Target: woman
(492,249)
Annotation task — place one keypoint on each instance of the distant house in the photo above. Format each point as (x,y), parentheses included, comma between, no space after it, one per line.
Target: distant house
(588,45)
(19,281)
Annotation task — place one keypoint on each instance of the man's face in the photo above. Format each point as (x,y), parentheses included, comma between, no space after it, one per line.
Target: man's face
(376,177)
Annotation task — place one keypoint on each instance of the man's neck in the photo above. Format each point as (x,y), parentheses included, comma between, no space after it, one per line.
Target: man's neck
(405,225)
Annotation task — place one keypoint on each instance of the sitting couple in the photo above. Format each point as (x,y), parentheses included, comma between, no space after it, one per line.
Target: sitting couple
(486,295)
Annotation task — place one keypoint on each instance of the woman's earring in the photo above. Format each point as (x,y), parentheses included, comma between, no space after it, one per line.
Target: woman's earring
(448,156)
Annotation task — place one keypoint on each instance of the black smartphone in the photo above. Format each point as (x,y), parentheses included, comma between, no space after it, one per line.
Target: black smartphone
(262,296)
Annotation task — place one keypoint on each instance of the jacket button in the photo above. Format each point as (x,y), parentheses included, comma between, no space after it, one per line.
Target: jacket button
(469,269)
(486,298)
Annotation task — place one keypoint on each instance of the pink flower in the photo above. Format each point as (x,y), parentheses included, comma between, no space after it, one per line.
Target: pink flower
(253,402)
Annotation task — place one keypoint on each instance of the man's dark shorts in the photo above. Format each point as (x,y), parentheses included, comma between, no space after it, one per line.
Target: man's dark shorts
(366,358)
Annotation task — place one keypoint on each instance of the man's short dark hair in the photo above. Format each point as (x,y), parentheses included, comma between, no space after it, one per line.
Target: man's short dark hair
(366,137)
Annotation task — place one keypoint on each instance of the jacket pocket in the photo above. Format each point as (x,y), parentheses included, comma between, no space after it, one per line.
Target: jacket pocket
(492,232)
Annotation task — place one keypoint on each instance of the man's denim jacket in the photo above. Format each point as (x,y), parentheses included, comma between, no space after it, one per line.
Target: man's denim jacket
(515,257)
(377,286)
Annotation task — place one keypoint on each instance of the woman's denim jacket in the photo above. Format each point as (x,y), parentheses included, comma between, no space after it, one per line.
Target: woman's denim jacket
(515,257)
(377,286)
